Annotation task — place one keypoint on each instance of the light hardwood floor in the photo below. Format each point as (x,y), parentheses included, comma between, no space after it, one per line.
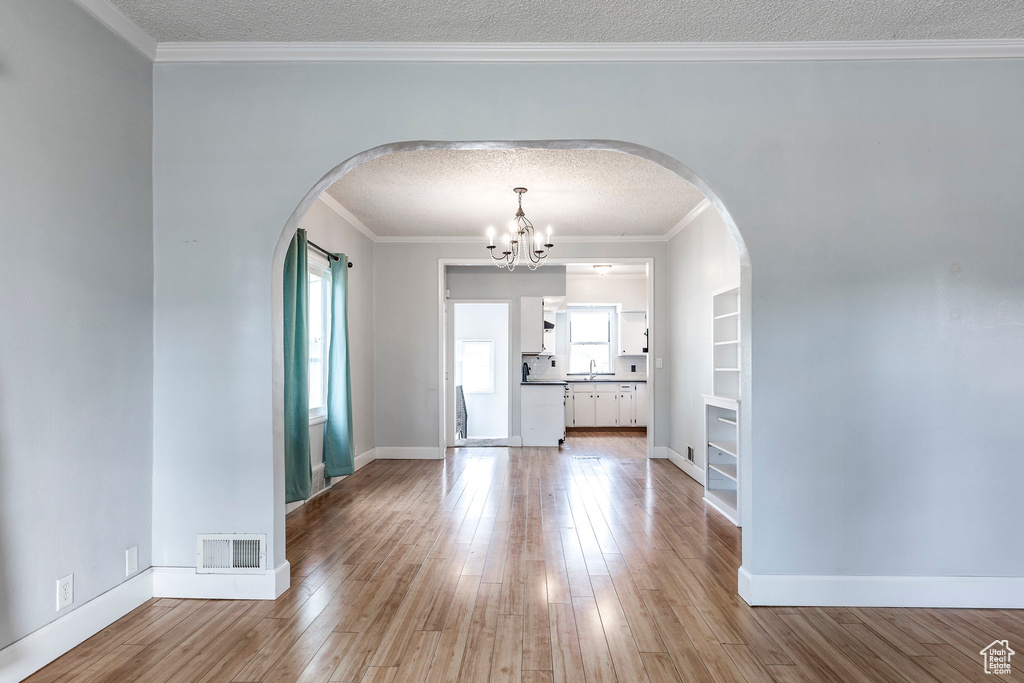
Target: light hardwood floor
(534,565)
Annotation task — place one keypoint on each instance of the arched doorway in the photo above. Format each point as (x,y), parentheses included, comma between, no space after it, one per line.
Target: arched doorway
(646,153)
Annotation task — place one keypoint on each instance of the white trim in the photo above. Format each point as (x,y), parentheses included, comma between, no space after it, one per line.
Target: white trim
(23,657)
(688,218)
(361,461)
(402,453)
(730,515)
(686,466)
(347,216)
(609,276)
(660,453)
(185,582)
(978,592)
(587,52)
(114,19)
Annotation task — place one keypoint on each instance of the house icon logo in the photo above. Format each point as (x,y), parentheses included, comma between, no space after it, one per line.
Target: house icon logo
(997,657)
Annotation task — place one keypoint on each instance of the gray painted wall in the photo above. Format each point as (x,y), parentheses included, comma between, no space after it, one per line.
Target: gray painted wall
(879,201)
(702,260)
(76,322)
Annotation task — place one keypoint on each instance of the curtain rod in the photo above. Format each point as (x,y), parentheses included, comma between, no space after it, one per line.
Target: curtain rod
(323,251)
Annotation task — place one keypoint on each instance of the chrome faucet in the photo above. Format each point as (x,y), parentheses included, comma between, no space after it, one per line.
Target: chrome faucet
(593,369)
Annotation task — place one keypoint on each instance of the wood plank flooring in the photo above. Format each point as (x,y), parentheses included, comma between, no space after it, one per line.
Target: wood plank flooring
(586,563)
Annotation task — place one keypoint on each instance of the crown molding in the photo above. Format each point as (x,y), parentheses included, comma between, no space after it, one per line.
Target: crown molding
(114,19)
(585,52)
(688,218)
(349,217)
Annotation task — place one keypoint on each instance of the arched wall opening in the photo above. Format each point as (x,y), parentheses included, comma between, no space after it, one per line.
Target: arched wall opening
(647,153)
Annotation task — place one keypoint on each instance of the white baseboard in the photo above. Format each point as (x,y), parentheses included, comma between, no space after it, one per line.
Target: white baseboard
(23,657)
(398,453)
(660,452)
(978,592)
(686,466)
(184,582)
(363,460)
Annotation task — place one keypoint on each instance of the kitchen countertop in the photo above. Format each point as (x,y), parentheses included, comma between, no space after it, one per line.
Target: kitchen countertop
(585,381)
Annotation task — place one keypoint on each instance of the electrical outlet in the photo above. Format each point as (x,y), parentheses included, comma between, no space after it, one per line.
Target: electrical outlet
(65,591)
(552,362)
(659,363)
(131,560)
(632,368)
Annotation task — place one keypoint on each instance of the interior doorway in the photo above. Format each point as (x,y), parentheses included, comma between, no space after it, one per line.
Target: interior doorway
(480,373)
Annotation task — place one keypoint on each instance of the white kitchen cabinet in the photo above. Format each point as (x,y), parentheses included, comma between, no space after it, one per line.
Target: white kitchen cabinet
(568,408)
(607,405)
(584,406)
(542,414)
(531,324)
(640,404)
(626,415)
(632,333)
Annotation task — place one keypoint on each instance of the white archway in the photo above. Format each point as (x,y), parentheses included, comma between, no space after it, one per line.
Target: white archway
(671,164)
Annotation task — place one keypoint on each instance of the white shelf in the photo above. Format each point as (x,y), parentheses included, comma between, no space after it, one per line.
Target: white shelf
(725,496)
(727,343)
(727,369)
(726,315)
(727,447)
(727,421)
(726,470)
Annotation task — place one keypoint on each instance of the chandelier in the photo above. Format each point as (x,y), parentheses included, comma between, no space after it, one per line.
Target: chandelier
(520,244)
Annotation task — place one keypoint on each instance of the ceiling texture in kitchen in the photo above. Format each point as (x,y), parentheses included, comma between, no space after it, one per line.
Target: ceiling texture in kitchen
(460,193)
(561,21)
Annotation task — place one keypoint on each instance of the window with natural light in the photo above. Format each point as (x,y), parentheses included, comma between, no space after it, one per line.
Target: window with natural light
(477,366)
(319,336)
(590,339)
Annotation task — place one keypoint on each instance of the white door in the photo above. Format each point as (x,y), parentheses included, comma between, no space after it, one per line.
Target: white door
(625,408)
(584,409)
(607,408)
(640,404)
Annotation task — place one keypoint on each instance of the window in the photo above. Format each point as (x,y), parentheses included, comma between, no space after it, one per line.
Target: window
(590,339)
(477,359)
(319,316)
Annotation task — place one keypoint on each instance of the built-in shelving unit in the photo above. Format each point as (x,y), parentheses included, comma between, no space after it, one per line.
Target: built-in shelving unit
(726,310)
(721,410)
(722,474)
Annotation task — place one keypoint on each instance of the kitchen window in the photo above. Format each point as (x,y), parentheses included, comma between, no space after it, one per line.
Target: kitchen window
(319,317)
(590,339)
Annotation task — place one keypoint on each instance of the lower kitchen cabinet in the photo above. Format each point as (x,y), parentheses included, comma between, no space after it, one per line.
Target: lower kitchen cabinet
(606,404)
(607,413)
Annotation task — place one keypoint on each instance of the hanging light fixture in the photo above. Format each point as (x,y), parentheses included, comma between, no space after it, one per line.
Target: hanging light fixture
(520,243)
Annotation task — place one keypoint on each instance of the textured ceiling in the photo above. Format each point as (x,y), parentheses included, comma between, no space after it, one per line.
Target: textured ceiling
(462,192)
(556,21)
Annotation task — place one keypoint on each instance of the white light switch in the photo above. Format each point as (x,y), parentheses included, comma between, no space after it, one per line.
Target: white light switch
(659,363)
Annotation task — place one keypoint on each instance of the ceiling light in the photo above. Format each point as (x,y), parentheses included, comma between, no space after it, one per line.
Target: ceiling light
(603,269)
(520,244)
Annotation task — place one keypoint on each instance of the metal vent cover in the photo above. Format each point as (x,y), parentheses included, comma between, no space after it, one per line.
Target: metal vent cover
(319,482)
(231,553)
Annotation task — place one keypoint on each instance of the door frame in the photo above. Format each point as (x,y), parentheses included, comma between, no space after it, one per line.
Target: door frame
(447,395)
(448,363)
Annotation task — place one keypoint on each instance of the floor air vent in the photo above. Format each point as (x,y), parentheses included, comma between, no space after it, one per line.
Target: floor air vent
(586,457)
(319,482)
(231,553)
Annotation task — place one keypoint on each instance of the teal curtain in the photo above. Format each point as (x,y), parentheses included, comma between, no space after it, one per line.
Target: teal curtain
(298,473)
(339,456)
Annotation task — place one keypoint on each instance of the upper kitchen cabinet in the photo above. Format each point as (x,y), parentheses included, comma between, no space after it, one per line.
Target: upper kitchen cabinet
(537,324)
(632,333)
(531,324)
